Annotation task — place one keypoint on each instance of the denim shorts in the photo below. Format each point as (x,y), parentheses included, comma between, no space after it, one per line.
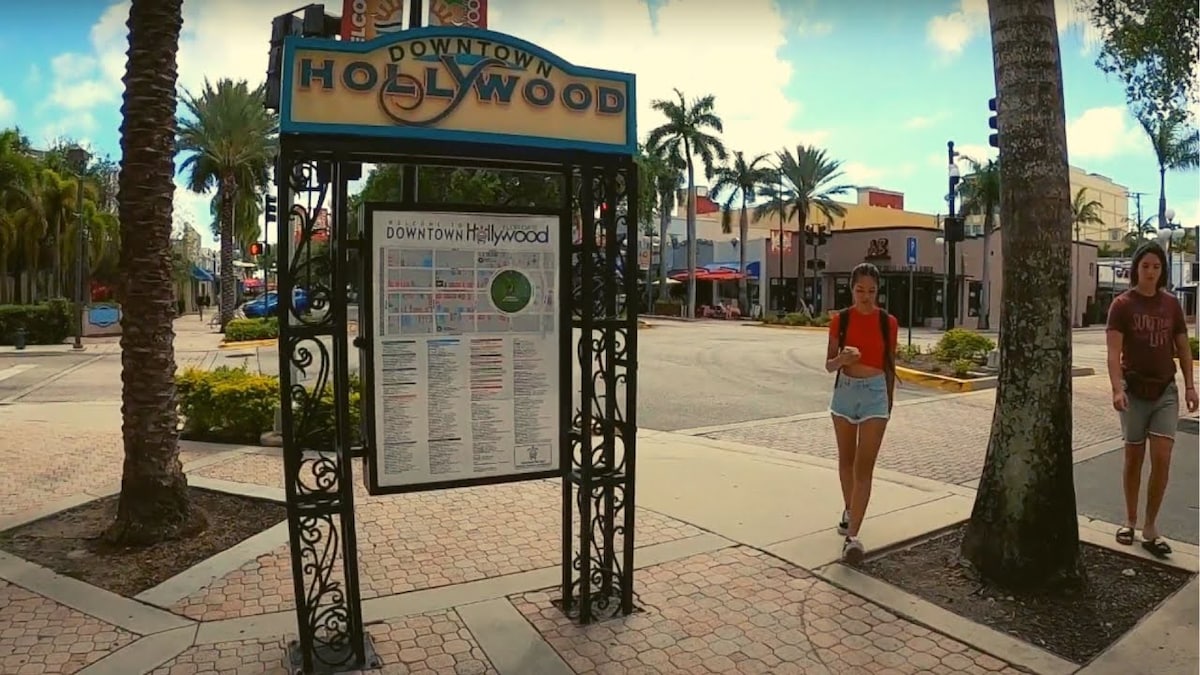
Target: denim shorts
(857,399)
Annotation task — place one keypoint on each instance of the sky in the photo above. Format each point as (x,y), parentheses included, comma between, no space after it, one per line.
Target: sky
(881,85)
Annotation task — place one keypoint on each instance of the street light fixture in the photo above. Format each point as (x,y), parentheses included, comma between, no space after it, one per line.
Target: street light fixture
(953,230)
(78,158)
(1168,232)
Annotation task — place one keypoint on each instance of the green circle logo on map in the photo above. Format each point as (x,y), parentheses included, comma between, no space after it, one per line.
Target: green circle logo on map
(511,291)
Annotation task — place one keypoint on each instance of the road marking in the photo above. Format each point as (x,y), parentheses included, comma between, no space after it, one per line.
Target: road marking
(12,371)
(57,376)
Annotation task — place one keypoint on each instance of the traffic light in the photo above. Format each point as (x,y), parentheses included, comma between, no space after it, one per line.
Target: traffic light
(269,209)
(953,228)
(993,139)
(258,248)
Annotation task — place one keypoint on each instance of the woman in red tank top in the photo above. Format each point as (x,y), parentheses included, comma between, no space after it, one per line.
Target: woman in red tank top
(862,351)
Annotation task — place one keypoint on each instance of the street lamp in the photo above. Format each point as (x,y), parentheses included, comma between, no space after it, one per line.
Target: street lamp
(953,232)
(78,158)
(779,243)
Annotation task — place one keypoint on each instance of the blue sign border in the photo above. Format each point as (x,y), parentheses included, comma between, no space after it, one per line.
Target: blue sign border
(288,126)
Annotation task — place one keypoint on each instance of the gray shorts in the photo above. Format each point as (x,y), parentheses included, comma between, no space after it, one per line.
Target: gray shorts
(1154,418)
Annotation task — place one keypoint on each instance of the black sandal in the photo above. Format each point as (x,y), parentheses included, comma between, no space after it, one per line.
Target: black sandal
(1157,547)
(1125,536)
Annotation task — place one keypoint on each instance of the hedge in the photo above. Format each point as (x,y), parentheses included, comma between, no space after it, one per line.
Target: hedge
(233,405)
(241,330)
(47,323)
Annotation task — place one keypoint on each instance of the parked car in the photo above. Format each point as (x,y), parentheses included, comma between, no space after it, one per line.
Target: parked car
(267,304)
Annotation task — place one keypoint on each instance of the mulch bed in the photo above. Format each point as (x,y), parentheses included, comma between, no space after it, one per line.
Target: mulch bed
(1076,625)
(927,364)
(68,542)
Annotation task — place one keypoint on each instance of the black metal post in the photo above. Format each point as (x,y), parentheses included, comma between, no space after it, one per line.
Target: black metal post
(317,452)
(80,264)
(408,172)
(951,239)
(598,578)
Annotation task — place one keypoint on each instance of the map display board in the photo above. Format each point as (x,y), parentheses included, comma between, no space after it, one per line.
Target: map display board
(465,348)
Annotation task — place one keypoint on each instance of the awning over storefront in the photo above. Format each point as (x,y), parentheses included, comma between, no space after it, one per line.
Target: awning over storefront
(709,273)
(201,274)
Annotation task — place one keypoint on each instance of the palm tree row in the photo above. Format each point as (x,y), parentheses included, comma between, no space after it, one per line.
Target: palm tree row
(799,185)
(39,222)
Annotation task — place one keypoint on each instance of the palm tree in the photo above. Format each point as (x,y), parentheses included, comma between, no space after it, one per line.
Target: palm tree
(1084,211)
(686,135)
(980,192)
(665,176)
(740,182)
(16,178)
(153,505)
(1176,147)
(1024,531)
(229,140)
(807,187)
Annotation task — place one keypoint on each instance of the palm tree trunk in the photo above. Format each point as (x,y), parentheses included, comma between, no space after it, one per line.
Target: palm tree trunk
(691,237)
(802,244)
(743,235)
(664,221)
(228,281)
(1024,531)
(154,504)
(1162,197)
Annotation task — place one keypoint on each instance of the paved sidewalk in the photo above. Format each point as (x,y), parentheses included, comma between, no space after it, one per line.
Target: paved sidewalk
(735,547)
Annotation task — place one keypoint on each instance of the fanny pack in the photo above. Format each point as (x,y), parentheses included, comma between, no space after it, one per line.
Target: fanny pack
(1144,388)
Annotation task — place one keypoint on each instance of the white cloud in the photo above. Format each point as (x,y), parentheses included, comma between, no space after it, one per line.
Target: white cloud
(923,121)
(8,109)
(1100,133)
(816,137)
(230,39)
(861,174)
(814,28)
(951,32)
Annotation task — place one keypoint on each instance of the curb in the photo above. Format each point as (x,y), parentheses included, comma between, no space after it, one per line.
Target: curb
(810,329)
(957,386)
(243,344)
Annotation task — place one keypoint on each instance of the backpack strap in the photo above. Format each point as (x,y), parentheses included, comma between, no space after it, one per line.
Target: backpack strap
(889,355)
(843,326)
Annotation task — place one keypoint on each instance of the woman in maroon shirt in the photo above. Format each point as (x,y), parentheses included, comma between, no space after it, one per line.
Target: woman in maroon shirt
(1146,331)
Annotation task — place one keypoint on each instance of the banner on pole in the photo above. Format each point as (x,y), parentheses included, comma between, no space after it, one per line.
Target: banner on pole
(461,13)
(368,19)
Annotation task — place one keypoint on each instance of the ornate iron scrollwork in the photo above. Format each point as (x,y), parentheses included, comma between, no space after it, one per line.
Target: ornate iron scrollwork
(602,434)
(317,458)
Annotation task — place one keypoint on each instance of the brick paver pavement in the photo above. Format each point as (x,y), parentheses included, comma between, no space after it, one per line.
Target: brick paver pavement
(414,541)
(944,439)
(53,458)
(424,644)
(38,635)
(739,610)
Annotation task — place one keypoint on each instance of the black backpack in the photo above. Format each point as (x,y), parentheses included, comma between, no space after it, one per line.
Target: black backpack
(889,356)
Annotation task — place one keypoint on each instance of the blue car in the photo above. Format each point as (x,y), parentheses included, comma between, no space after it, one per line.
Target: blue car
(267,304)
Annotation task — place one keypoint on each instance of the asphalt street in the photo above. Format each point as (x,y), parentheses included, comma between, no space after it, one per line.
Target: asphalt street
(689,374)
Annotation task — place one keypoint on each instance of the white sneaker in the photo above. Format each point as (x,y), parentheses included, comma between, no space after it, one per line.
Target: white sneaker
(844,524)
(852,551)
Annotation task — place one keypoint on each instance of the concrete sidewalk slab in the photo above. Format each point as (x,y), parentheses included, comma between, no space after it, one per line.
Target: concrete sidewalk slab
(752,499)
(1164,643)
(1098,489)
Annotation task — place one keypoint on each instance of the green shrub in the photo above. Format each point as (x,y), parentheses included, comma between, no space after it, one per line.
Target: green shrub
(233,405)
(1195,344)
(227,405)
(241,330)
(47,323)
(961,367)
(908,352)
(958,343)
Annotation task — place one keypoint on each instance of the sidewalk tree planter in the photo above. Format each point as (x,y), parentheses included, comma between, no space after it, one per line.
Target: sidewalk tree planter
(960,354)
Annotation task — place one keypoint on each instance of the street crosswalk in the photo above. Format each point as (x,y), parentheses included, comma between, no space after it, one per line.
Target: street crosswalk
(13,371)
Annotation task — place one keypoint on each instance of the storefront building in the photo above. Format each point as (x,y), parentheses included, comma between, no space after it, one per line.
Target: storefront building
(886,248)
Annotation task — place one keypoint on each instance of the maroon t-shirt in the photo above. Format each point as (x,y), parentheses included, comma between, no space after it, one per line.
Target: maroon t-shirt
(1148,325)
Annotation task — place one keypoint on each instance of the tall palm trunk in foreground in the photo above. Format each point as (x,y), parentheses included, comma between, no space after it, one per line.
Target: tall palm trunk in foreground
(154,500)
(1023,530)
